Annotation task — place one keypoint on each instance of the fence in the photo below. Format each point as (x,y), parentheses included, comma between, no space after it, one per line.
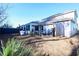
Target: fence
(8,30)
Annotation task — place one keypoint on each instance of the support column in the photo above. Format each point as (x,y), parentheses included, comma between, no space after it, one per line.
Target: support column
(39,30)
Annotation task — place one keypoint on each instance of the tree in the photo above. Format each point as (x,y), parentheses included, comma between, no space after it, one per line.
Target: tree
(3,13)
(6,26)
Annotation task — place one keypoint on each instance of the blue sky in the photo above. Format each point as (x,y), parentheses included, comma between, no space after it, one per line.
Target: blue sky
(22,13)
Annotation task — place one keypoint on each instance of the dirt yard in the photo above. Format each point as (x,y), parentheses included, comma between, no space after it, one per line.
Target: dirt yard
(53,46)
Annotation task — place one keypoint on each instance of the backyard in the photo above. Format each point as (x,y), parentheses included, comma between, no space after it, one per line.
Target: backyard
(30,33)
(48,45)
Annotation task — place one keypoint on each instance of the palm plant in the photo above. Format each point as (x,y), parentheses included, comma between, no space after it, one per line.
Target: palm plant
(15,47)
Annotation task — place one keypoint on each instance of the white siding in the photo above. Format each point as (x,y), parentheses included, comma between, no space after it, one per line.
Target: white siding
(69,15)
(67,30)
(48,28)
(59,29)
(65,16)
(73,28)
(70,28)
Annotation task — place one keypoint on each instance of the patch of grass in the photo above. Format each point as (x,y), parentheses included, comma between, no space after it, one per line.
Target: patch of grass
(14,47)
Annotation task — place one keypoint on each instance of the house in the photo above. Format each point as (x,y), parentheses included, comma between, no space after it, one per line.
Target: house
(64,24)
(61,24)
(30,27)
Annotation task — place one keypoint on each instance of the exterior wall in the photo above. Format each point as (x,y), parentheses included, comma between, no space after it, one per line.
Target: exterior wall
(32,26)
(67,28)
(74,25)
(59,28)
(73,28)
(48,28)
(65,16)
(70,28)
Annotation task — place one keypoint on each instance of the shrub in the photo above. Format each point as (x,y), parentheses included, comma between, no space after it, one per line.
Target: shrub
(14,47)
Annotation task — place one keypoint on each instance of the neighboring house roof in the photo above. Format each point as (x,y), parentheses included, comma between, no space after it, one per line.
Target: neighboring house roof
(51,19)
(33,22)
(36,22)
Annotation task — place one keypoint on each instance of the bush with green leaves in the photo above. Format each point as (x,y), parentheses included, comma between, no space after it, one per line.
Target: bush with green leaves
(14,47)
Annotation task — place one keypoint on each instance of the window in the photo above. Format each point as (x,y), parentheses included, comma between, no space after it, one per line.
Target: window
(41,27)
(27,27)
(36,28)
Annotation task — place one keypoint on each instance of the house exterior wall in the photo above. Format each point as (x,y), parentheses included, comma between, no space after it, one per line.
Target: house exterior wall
(65,16)
(67,28)
(59,28)
(48,28)
(32,26)
(74,25)
(73,28)
(70,28)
